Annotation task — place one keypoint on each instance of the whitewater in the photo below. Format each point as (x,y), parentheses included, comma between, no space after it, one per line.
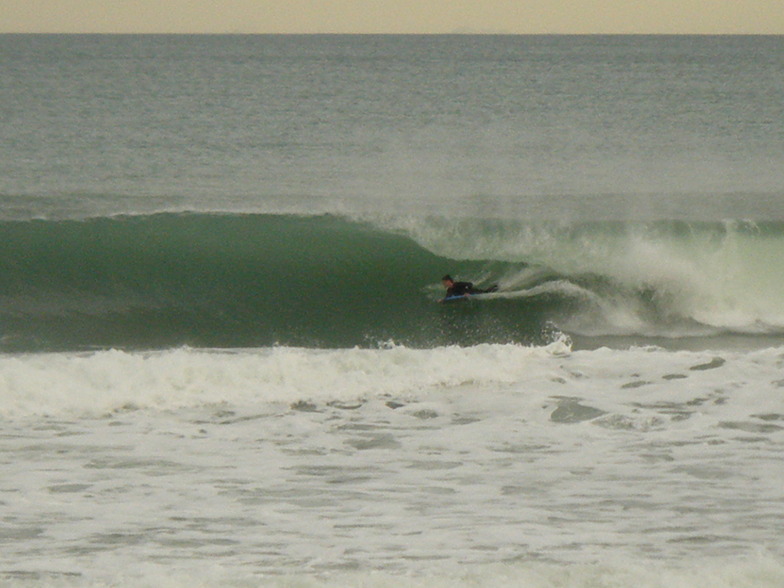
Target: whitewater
(494,464)
(222,357)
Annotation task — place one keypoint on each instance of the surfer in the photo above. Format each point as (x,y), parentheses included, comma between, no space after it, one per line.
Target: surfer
(462,288)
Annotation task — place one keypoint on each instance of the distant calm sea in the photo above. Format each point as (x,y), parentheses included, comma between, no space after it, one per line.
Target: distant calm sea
(223,362)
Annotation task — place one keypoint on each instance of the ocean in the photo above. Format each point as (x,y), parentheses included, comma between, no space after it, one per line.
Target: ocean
(223,359)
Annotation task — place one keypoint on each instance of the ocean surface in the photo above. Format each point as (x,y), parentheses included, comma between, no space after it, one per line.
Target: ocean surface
(223,360)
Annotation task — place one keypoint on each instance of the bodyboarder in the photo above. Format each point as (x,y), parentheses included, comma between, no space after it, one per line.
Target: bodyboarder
(456,289)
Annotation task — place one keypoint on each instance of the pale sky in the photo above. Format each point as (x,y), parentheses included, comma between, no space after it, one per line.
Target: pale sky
(393,16)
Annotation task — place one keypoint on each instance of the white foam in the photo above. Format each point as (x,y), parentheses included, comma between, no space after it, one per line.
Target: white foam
(103,381)
(726,276)
(491,460)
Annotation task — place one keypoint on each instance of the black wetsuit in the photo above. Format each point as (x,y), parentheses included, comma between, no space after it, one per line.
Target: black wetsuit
(463,288)
(460,289)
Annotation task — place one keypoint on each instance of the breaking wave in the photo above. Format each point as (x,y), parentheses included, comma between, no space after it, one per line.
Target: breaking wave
(249,280)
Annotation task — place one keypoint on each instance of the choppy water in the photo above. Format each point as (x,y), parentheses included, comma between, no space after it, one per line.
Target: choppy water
(222,361)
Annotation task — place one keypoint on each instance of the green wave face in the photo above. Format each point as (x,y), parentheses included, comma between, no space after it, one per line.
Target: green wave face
(230,280)
(224,281)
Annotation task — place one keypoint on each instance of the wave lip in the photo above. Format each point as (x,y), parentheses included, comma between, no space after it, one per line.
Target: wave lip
(662,278)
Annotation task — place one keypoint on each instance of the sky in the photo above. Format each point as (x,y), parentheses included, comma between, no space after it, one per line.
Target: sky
(394,16)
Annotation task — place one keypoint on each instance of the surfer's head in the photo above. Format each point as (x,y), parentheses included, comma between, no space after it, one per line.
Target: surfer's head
(447,280)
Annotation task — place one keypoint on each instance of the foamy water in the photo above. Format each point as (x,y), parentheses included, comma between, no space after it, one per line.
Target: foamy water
(301,467)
